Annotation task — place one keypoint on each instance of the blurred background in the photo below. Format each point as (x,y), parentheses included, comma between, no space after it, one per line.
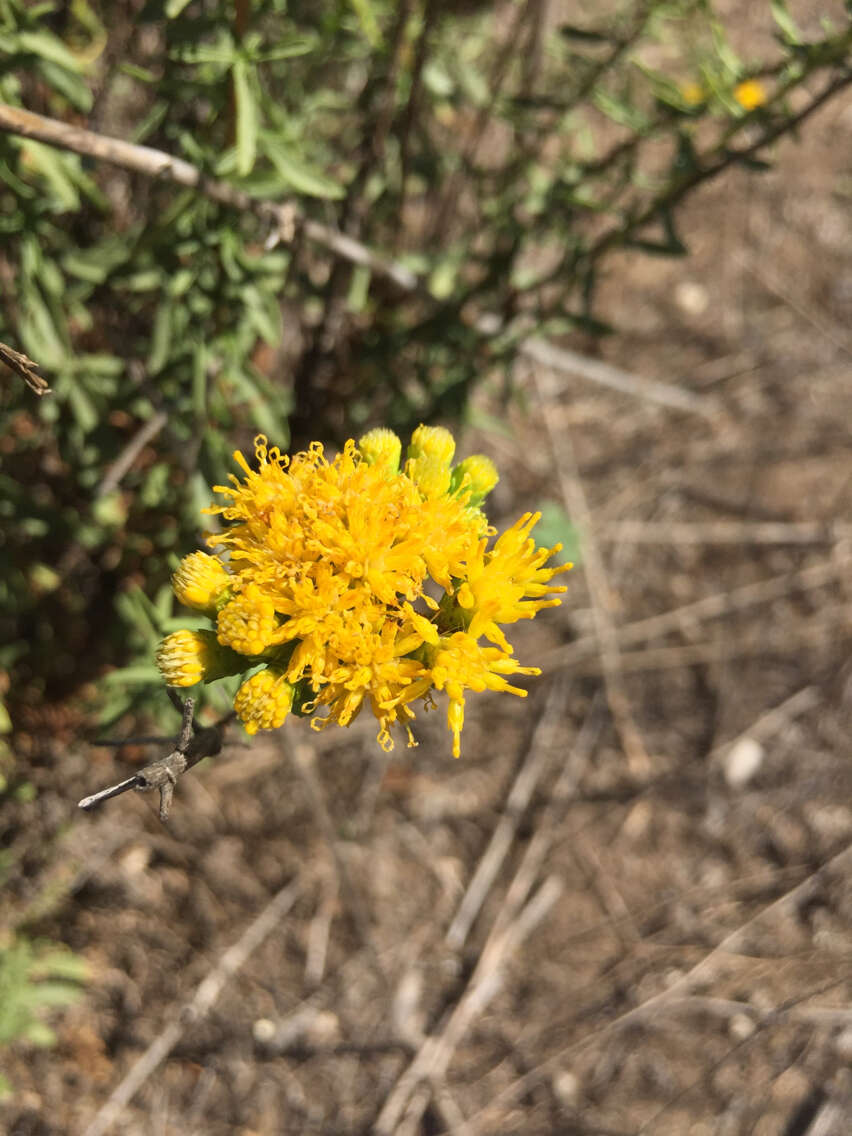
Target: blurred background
(608,245)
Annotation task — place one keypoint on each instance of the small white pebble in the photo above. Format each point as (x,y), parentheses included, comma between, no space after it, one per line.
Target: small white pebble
(744,759)
(263,1031)
(740,1027)
(692,298)
(843,1044)
(566,1087)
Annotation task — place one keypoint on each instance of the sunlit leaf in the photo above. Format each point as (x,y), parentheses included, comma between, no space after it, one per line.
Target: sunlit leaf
(247,117)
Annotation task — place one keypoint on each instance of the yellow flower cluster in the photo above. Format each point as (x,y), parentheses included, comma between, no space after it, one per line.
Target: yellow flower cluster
(359,581)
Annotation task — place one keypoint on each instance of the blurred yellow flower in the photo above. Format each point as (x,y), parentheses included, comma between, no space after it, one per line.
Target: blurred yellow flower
(328,572)
(692,93)
(750,94)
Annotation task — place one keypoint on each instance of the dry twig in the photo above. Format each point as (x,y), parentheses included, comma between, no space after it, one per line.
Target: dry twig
(725,532)
(410,1095)
(539,756)
(24,366)
(193,744)
(576,505)
(704,971)
(711,607)
(122,464)
(202,1002)
(285,219)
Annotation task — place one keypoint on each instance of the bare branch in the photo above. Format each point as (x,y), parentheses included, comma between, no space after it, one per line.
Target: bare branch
(284,219)
(24,366)
(197,1008)
(122,464)
(195,742)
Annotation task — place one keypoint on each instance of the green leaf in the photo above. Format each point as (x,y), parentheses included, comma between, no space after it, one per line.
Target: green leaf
(222,52)
(263,312)
(140,674)
(40,336)
(69,84)
(247,117)
(199,381)
(161,338)
(786,24)
(359,288)
(48,47)
(52,167)
(585,35)
(369,23)
(82,407)
(174,8)
(288,47)
(620,111)
(556,527)
(296,173)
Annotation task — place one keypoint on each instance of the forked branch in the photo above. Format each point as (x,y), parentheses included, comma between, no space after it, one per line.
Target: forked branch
(194,743)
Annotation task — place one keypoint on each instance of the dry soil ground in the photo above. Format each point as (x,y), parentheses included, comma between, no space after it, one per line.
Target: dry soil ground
(627,908)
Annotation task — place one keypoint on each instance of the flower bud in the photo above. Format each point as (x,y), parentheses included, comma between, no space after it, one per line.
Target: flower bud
(188,657)
(200,581)
(264,700)
(432,442)
(247,623)
(381,447)
(478,474)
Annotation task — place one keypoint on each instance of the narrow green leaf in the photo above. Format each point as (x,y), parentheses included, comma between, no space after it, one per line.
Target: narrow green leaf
(69,84)
(174,8)
(161,338)
(82,407)
(286,48)
(47,46)
(369,23)
(199,382)
(359,289)
(786,23)
(296,173)
(247,117)
(585,35)
(620,111)
(263,313)
(222,52)
(556,527)
(142,674)
(52,167)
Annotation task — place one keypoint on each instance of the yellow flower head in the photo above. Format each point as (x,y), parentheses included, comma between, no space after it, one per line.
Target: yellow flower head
(459,663)
(750,94)
(188,657)
(200,581)
(247,623)
(363,584)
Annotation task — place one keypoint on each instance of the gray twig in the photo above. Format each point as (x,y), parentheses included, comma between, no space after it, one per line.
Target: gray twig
(194,743)
(24,366)
(197,1008)
(121,466)
(285,220)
